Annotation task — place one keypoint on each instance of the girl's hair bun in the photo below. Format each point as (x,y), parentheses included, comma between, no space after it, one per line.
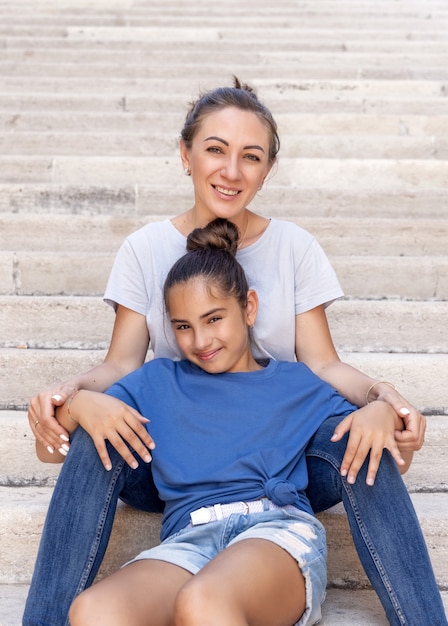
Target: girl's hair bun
(211,256)
(219,234)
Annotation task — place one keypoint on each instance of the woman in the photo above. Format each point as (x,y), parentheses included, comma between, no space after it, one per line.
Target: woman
(229,144)
(242,502)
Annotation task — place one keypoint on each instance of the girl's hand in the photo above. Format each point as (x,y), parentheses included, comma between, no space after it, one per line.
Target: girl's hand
(41,416)
(372,428)
(107,418)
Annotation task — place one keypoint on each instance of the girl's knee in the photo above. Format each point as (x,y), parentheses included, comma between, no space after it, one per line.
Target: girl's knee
(188,605)
(86,610)
(198,604)
(79,614)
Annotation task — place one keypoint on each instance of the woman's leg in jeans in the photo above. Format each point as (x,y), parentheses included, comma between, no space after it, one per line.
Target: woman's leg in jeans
(78,526)
(385,530)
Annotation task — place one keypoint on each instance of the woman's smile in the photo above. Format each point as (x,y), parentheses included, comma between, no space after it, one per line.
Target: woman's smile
(226,191)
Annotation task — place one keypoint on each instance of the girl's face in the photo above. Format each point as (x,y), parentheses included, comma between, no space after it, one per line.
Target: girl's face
(212,330)
(228,160)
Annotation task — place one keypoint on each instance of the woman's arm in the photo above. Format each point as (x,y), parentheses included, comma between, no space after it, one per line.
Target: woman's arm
(127,352)
(315,348)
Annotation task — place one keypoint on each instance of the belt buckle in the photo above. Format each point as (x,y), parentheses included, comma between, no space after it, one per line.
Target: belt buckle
(200,516)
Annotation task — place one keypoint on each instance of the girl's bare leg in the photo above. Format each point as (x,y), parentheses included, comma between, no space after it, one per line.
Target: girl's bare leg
(141,594)
(253,582)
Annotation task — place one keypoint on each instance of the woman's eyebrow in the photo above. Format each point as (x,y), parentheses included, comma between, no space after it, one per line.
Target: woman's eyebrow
(213,138)
(226,143)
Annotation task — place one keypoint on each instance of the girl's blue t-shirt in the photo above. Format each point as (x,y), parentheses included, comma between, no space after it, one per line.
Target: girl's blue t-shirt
(229,437)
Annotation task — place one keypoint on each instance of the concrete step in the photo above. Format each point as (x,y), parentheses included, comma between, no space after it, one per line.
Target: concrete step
(318,38)
(38,273)
(363,235)
(403,57)
(23,512)
(79,27)
(393,175)
(310,65)
(373,54)
(37,106)
(393,277)
(279,201)
(389,326)
(21,468)
(341,607)
(301,146)
(41,322)
(422,378)
(149,12)
(294,87)
(323,97)
(165,20)
(88,26)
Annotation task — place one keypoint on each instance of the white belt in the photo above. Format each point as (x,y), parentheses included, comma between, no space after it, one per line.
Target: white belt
(216,512)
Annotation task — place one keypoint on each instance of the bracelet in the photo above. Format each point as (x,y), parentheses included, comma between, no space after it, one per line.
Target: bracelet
(69,404)
(378,382)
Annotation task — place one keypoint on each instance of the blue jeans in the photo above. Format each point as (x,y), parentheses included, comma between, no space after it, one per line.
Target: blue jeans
(382,519)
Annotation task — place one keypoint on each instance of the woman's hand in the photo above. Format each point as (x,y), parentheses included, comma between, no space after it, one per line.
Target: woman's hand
(107,418)
(372,428)
(41,416)
(412,435)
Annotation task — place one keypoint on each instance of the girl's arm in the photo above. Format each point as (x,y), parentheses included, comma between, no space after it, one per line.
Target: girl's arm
(123,428)
(315,348)
(127,352)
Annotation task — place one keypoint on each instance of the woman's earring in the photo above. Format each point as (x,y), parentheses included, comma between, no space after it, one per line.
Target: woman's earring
(187,171)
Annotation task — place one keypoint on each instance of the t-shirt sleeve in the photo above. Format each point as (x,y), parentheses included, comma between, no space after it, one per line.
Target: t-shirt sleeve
(121,392)
(316,282)
(128,388)
(126,284)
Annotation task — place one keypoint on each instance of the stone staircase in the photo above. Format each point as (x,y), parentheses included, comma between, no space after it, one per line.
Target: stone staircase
(92,97)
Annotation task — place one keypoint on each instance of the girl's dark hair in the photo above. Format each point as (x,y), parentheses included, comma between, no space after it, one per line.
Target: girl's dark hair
(240,96)
(211,255)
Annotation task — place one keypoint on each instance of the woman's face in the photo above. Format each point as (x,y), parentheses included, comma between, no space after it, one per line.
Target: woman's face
(211,330)
(228,160)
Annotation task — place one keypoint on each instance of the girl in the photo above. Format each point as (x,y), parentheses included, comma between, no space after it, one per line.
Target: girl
(241,545)
(229,145)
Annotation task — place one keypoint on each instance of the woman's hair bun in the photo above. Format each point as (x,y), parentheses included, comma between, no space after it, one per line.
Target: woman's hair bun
(219,234)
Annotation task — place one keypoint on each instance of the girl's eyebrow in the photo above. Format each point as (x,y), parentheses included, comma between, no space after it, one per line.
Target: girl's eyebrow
(218,309)
(226,143)
(174,320)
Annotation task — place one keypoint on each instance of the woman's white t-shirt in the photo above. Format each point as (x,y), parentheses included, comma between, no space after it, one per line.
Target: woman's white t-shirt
(286,266)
